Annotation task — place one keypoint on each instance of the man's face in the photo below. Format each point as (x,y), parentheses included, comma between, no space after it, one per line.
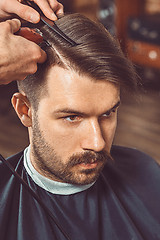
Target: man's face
(74,126)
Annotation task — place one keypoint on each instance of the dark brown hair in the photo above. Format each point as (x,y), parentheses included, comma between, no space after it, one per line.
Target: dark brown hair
(97,55)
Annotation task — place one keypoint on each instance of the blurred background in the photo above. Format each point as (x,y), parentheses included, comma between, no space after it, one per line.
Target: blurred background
(136,25)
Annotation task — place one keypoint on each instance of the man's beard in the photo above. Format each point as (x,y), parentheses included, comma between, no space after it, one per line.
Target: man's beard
(52,166)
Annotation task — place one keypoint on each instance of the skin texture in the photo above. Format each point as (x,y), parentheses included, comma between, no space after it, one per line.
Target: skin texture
(50,8)
(19,57)
(71,133)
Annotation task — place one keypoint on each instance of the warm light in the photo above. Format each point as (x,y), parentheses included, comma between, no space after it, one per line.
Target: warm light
(153,55)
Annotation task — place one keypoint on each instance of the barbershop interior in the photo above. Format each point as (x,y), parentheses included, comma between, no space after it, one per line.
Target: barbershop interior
(136,25)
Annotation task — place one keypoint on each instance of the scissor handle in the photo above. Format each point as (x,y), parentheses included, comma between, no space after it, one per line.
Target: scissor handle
(30,34)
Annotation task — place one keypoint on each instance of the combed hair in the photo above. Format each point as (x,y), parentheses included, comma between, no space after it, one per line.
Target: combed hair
(97,55)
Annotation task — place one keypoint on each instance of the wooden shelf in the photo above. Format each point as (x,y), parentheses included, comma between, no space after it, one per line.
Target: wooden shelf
(87,8)
(139,52)
(125,9)
(143,53)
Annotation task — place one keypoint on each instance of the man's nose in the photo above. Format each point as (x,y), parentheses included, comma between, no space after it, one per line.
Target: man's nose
(92,137)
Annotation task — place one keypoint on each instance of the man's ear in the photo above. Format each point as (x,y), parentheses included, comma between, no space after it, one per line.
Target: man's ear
(22,107)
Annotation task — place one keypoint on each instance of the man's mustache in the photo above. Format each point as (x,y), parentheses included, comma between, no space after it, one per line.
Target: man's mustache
(89,157)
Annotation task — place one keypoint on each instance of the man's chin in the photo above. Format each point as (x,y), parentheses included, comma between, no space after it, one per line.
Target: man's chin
(85,176)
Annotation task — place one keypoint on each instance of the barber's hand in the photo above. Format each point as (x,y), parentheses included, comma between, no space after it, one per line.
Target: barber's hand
(50,8)
(18,56)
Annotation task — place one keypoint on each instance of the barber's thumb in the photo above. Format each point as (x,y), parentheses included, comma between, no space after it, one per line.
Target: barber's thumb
(43,57)
(15,25)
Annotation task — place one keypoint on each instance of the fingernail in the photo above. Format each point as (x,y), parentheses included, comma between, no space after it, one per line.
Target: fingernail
(54,17)
(34,18)
(18,21)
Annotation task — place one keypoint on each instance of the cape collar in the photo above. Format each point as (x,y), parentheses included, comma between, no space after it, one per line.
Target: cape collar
(48,184)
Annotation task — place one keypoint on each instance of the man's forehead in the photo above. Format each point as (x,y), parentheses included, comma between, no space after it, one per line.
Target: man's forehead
(61,78)
(79,93)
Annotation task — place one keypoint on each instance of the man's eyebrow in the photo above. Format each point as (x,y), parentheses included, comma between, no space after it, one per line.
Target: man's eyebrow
(72,111)
(69,111)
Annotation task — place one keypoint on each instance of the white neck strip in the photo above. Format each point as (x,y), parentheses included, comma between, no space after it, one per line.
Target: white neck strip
(48,184)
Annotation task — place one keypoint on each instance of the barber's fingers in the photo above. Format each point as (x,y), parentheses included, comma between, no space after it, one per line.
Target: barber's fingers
(57,7)
(13,25)
(50,8)
(43,56)
(23,11)
(40,55)
(32,52)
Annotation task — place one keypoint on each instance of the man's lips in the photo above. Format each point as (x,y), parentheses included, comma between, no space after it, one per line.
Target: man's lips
(89,165)
(88,160)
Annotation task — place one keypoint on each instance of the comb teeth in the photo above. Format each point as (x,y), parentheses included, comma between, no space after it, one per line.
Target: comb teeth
(59,32)
(38,31)
(50,23)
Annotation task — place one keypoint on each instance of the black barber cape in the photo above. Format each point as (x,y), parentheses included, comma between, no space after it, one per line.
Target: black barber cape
(123,204)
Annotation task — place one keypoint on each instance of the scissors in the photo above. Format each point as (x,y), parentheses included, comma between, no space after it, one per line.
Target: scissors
(52,25)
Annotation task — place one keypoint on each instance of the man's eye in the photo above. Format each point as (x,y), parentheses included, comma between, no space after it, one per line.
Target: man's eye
(72,118)
(109,114)
(106,115)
